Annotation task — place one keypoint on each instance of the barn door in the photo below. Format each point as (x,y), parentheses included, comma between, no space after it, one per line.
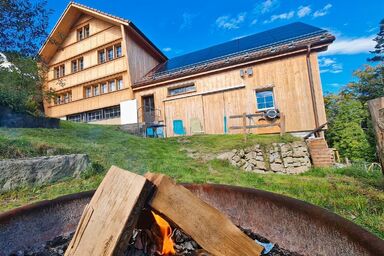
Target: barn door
(214,112)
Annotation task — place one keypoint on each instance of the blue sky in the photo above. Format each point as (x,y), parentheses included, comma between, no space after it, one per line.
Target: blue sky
(179,27)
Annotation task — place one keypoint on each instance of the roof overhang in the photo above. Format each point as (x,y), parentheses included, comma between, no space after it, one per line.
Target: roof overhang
(68,18)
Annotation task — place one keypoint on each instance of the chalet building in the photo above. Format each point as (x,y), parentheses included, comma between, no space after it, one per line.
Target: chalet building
(106,71)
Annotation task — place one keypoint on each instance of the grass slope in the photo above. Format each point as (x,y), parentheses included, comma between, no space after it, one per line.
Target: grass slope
(349,192)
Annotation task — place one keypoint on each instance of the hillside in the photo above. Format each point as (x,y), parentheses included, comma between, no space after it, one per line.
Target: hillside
(350,192)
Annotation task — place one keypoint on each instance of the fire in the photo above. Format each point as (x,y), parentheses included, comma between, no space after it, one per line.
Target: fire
(166,232)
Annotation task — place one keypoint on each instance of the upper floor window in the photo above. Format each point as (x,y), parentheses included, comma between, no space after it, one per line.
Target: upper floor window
(63,98)
(83,32)
(120,84)
(96,90)
(59,71)
(88,92)
(110,53)
(181,89)
(118,51)
(112,86)
(265,100)
(102,58)
(77,65)
(104,88)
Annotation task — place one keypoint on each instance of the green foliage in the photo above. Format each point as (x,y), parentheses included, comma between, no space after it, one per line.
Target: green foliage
(346,116)
(23,26)
(370,83)
(379,48)
(21,86)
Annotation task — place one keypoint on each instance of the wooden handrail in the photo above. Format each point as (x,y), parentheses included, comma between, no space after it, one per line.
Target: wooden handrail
(316,130)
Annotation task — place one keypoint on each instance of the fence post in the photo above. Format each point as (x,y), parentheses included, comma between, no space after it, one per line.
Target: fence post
(245,127)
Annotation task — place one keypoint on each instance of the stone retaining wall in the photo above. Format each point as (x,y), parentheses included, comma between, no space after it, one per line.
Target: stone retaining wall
(290,158)
(40,170)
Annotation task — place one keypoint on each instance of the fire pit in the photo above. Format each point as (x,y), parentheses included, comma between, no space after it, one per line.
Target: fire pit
(294,225)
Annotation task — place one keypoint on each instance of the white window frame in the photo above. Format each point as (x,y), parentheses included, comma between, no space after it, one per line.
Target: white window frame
(273,99)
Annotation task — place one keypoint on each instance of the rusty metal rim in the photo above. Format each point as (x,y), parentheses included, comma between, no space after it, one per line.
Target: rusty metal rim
(360,235)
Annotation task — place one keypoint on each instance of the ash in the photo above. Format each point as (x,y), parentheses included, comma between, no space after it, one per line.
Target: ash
(142,244)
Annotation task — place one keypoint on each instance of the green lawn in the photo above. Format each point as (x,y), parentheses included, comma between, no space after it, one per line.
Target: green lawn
(350,192)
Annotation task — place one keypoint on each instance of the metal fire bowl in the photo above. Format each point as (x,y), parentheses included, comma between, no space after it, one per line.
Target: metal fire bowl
(293,224)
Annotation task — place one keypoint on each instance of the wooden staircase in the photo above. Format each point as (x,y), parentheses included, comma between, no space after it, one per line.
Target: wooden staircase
(321,155)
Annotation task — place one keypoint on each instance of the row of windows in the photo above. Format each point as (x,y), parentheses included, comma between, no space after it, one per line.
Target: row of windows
(83,32)
(77,65)
(104,55)
(104,87)
(63,98)
(109,53)
(96,115)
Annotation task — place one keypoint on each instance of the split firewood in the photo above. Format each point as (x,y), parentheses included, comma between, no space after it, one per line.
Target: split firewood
(107,223)
(210,228)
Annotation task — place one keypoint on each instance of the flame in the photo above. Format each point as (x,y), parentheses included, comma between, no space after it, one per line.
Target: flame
(166,232)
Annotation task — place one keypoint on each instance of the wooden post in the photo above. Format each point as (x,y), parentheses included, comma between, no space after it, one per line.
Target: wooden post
(282,124)
(376,108)
(245,127)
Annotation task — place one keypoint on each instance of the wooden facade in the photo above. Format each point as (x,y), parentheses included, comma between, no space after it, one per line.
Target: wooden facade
(215,95)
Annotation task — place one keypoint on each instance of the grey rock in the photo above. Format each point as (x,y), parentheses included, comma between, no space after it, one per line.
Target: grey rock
(40,170)
(277,168)
(259,158)
(236,158)
(251,155)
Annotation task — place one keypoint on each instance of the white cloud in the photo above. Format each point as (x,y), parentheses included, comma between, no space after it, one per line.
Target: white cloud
(330,65)
(5,64)
(282,16)
(303,11)
(187,20)
(228,22)
(322,12)
(267,6)
(253,22)
(350,46)
(167,49)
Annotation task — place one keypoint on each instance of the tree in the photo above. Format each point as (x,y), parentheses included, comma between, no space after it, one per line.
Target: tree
(346,132)
(370,83)
(379,48)
(23,30)
(23,26)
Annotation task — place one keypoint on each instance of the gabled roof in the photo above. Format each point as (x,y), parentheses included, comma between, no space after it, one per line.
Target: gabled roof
(70,15)
(268,43)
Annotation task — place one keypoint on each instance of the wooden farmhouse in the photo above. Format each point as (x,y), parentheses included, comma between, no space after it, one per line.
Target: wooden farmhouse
(106,71)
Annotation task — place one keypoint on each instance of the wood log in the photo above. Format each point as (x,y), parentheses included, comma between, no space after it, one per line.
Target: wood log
(108,220)
(376,108)
(210,228)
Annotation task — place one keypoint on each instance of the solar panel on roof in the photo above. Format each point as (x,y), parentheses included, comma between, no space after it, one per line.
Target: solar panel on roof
(254,42)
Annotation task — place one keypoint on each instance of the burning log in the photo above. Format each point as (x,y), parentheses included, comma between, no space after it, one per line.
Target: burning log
(124,217)
(210,228)
(107,223)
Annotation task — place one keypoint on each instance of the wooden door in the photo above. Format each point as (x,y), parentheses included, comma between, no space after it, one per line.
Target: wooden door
(214,112)
(148,108)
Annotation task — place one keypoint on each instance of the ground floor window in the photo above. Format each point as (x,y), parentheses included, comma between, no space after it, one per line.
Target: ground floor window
(112,112)
(96,115)
(75,118)
(265,100)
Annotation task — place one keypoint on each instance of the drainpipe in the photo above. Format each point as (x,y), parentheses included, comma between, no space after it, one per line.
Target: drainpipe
(312,86)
